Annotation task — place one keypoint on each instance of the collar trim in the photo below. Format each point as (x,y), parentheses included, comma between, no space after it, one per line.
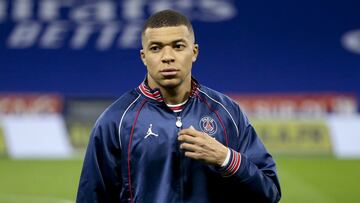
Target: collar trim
(152,94)
(177,107)
(156,95)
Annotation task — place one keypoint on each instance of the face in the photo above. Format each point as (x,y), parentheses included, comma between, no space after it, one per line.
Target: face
(168,54)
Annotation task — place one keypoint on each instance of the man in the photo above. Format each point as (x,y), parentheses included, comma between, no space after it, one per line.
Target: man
(172,139)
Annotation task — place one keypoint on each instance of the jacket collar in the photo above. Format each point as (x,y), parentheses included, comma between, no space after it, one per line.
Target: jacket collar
(156,95)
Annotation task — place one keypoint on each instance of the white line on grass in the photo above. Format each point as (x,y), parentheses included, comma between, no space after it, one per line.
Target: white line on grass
(18,198)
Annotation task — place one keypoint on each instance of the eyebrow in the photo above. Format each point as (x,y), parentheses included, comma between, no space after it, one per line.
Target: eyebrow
(172,42)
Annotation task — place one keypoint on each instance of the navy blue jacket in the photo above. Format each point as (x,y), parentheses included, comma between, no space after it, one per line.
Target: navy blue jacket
(134,156)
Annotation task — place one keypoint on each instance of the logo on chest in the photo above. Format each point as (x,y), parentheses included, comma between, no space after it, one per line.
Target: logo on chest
(208,125)
(150,132)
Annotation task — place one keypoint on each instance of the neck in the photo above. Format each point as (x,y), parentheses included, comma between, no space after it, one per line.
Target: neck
(175,95)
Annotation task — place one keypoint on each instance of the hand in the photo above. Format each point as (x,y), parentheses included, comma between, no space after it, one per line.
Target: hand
(201,146)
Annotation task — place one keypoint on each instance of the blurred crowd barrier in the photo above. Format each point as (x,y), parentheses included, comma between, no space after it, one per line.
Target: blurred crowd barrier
(51,126)
(33,126)
(306,123)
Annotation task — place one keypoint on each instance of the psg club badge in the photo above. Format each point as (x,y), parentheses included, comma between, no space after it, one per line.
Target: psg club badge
(208,125)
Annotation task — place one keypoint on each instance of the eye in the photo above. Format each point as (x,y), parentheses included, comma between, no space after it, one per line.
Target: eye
(179,47)
(155,48)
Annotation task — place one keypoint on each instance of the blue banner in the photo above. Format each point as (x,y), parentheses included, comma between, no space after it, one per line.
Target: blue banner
(91,48)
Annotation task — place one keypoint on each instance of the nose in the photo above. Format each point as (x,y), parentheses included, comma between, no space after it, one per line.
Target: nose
(168,55)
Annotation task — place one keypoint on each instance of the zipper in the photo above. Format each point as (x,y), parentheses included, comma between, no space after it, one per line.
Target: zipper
(179,125)
(178,122)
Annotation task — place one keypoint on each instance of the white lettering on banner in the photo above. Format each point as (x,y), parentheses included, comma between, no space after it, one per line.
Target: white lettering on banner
(107,36)
(55,24)
(184,5)
(351,41)
(82,35)
(214,10)
(133,9)
(100,12)
(130,36)
(54,35)
(49,10)
(22,10)
(161,5)
(24,35)
(3,6)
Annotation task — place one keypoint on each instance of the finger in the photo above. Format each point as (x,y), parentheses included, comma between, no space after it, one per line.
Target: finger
(191,132)
(187,139)
(190,147)
(192,155)
(187,131)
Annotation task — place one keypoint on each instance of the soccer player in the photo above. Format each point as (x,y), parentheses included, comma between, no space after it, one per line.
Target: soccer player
(172,139)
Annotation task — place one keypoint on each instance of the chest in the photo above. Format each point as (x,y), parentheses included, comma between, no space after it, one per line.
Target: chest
(152,132)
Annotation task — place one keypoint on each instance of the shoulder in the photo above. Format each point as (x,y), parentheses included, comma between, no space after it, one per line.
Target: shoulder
(113,113)
(219,100)
(217,97)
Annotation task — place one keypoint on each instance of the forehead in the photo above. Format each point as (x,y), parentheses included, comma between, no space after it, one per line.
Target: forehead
(167,34)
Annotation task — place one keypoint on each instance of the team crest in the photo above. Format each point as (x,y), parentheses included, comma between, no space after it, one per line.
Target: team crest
(208,125)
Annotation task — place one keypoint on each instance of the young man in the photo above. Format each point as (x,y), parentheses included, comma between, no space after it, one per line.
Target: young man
(172,139)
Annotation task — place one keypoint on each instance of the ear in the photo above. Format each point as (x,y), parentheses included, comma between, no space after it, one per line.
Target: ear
(195,52)
(142,55)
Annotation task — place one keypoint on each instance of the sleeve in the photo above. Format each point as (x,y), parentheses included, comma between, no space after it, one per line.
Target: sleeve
(100,179)
(252,166)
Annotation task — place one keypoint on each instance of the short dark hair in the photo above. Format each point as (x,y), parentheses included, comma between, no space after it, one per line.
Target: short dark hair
(167,18)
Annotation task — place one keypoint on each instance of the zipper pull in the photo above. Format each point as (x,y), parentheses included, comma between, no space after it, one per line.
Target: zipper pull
(178,122)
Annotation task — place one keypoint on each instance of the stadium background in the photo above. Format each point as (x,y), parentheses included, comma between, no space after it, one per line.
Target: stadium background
(293,66)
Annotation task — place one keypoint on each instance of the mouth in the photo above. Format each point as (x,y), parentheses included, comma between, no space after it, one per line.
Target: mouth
(169,72)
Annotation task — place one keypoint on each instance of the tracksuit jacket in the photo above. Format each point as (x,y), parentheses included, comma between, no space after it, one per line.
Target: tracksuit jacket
(134,156)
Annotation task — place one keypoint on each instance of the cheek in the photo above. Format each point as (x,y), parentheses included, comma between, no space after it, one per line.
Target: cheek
(151,63)
(188,60)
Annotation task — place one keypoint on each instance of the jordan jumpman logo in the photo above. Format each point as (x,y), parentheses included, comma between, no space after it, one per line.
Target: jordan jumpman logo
(149,132)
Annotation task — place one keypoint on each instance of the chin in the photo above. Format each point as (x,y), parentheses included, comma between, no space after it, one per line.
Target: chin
(170,83)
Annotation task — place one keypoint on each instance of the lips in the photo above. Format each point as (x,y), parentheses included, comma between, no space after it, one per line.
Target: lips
(169,72)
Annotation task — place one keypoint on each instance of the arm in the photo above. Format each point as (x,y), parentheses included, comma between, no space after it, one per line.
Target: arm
(100,179)
(256,168)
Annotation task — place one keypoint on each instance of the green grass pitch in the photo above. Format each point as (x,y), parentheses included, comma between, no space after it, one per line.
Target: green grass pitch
(303,180)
